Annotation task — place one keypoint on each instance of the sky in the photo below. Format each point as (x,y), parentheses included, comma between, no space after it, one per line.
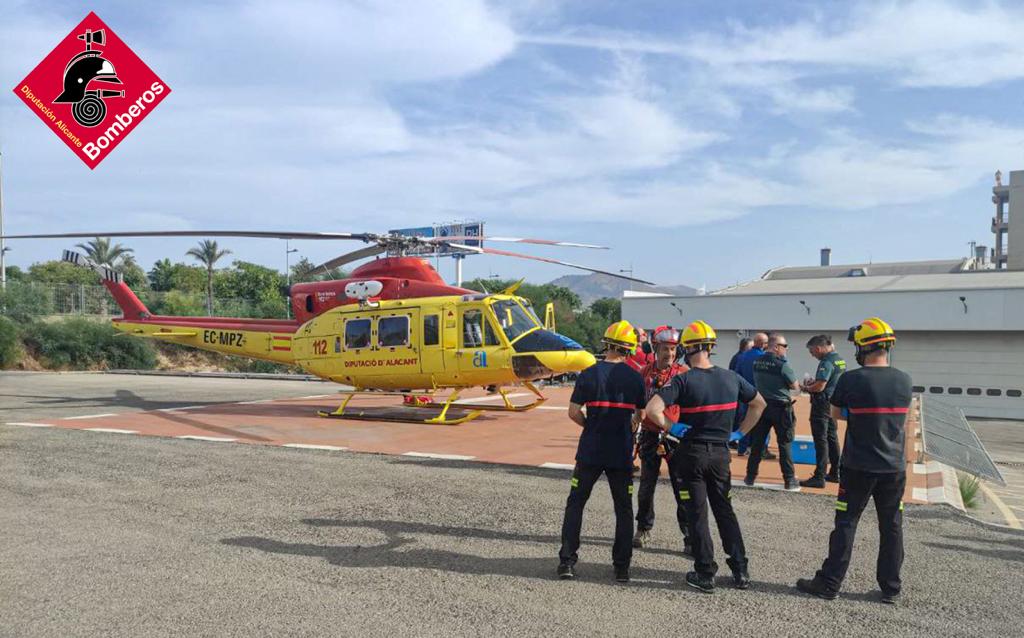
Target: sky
(703,142)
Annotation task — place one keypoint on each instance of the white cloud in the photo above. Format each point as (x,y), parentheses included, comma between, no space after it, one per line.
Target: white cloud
(920,42)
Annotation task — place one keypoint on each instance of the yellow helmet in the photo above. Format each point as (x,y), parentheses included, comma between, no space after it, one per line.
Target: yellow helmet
(698,334)
(621,334)
(872,331)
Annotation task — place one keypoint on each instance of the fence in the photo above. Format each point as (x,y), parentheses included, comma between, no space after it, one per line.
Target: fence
(23,300)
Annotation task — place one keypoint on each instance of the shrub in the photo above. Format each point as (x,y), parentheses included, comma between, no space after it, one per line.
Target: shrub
(969,486)
(81,344)
(10,343)
(22,301)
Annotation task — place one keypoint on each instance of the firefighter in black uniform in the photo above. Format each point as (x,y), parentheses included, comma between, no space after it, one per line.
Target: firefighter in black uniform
(707,397)
(875,399)
(613,394)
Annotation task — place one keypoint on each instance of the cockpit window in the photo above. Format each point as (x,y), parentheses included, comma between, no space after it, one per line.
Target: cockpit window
(476,330)
(514,321)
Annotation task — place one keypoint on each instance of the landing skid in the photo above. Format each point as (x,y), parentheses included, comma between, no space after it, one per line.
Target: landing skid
(507,406)
(448,412)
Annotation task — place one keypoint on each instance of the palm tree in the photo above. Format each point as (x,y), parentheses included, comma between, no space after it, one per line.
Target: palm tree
(208,254)
(103,253)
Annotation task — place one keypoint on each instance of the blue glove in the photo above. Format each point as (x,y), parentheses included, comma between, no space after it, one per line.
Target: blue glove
(679,430)
(735,436)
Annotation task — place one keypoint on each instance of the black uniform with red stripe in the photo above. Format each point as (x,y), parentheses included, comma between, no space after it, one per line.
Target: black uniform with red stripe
(707,400)
(611,393)
(873,466)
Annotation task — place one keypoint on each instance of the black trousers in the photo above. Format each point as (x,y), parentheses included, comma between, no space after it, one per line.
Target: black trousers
(704,478)
(650,470)
(826,443)
(621,483)
(855,488)
(777,415)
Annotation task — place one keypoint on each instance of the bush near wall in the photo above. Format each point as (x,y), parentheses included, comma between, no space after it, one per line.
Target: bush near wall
(10,343)
(83,344)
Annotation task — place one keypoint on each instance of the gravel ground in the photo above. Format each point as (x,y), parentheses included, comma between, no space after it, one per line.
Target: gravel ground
(113,535)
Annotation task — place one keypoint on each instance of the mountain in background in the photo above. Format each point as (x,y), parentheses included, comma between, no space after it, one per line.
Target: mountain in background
(593,287)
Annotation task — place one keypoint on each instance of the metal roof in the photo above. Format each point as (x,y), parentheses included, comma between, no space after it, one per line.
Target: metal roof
(969,280)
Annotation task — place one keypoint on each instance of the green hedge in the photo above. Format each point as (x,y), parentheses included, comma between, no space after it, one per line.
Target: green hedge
(10,343)
(81,344)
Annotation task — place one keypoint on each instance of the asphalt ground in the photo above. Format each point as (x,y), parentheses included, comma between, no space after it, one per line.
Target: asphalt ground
(107,534)
(1004,441)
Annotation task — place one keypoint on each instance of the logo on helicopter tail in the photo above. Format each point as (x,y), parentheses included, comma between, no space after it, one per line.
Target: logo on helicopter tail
(92,90)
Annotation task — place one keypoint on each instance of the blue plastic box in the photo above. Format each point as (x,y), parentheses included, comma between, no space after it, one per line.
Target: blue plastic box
(803,450)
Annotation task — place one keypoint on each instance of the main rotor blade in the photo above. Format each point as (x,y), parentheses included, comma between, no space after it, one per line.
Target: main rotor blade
(204,233)
(518,240)
(505,253)
(355,255)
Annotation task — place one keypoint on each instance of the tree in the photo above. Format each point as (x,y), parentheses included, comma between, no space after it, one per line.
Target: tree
(60,272)
(208,254)
(132,272)
(259,287)
(303,271)
(103,253)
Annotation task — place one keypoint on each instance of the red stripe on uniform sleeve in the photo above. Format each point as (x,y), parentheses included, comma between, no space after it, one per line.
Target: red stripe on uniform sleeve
(610,404)
(879,410)
(717,407)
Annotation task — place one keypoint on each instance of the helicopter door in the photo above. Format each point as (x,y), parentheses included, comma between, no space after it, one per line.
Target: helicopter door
(480,349)
(431,350)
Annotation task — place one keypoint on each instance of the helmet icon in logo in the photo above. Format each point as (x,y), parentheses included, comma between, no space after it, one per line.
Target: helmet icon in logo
(89,66)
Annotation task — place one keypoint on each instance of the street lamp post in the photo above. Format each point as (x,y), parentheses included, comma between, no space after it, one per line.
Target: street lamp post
(288,274)
(3,242)
(630,271)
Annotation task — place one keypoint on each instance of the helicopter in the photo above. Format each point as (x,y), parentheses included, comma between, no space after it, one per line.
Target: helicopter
(394,326)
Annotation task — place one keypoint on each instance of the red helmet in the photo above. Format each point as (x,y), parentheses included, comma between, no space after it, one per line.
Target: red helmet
(665,334)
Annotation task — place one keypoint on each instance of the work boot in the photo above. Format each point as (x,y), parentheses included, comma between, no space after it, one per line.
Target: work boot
(748,480)
(792,485)
(622,573)
(643,536)
(768,455)
(566,571)
(816,587)
(890,598)
(705,584)
(814,481)
(833,476)
(741,579)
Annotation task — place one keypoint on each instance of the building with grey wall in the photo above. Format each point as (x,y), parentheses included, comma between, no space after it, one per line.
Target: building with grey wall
(959,334)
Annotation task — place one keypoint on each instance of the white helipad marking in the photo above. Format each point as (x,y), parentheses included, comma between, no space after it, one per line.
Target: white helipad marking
(920,494)
(185,407)
(317,396)
(446,457)
(111,430)
(30,425)
(496,397)
(551,407)
(88,416)
(310,446)
(253,402)
(920,468)
(557,466)
(216,439)
(766,486)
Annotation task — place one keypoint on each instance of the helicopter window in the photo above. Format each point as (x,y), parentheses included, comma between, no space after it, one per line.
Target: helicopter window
(477,332)
(431,330)
(513,319)
(393,331)
(357,334)
(309,303)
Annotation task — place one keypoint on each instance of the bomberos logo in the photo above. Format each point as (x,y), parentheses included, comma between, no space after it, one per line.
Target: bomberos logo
(92,90)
